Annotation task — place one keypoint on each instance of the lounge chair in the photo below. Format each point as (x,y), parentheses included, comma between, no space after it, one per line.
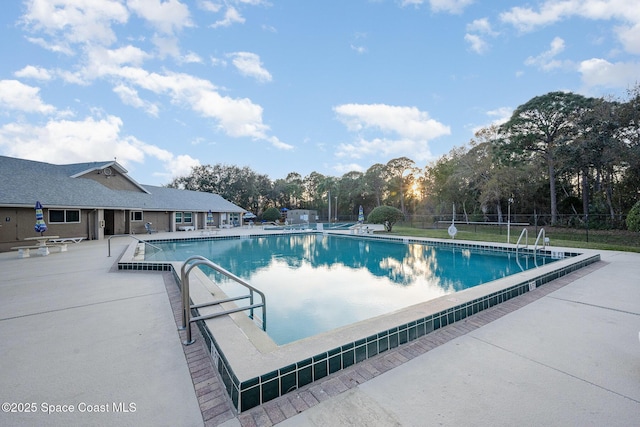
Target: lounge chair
(67,240)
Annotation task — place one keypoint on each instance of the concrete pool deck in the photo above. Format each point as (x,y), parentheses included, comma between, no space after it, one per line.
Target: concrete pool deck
(75,332)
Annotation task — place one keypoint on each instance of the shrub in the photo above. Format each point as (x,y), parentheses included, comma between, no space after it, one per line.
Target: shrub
(387,215)
(633,218)
(271,214)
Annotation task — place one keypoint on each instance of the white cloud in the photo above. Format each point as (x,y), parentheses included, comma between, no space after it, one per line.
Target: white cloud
(231,16)
(626,12)
(180,166)
(66,141)
(475,32)
(191,58)
(167,46)
(85,140)
(218,62)
(501,115)
(31,72)
(167,16)
(546,60)
(57,47)
(358,49)
(410,130)
(15,95)
(630,37)
(343,168)
(209,6)
(599,72)
(76,21)
(249,65)
(481,25)
(130,96)
(449,6)
(357,43)
(498,117)
(477,44)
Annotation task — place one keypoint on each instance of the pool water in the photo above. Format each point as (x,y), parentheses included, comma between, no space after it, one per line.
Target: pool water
(315,283)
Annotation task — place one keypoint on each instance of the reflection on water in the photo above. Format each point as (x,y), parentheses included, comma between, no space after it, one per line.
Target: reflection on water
(315,283)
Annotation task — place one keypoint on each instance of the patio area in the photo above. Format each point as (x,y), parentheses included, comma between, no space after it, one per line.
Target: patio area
(79,335)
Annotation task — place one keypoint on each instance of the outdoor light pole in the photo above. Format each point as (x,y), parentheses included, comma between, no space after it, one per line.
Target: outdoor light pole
(509,220)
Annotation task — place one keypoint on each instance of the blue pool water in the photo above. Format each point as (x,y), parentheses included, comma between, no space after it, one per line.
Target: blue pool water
(314,283)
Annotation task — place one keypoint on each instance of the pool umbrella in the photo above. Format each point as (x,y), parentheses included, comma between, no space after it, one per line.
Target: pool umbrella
(40,227)
(360,214)
(209,218)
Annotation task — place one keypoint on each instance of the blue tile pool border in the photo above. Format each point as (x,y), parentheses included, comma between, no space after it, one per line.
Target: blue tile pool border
(270,385)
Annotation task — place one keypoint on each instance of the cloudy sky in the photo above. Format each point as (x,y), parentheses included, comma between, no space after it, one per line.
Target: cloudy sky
(291,86)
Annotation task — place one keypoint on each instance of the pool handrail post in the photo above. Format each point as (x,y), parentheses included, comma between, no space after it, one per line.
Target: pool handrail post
(540,234)
(184,273)
(127,235)
(185,289)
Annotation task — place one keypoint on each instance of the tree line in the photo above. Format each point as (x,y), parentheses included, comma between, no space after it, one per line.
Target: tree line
(561,157)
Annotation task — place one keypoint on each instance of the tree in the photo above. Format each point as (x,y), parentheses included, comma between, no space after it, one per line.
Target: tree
(350,192)
(271,214)
(633,218)
(375,182)
(396,169)
(241,186)
(312,190)
(541,126)
(629,134)
(387,215)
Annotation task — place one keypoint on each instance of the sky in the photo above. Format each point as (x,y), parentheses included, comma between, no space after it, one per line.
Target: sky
(301,86)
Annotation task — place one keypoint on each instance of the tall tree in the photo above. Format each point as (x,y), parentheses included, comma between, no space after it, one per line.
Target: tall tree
(541,126)
(351,192)
(396,169)
(375,182)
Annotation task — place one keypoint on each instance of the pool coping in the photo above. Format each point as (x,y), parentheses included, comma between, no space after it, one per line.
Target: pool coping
(254,370)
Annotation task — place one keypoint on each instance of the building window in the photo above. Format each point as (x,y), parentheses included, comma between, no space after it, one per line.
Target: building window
(136,215)
(64,216)
(184,217)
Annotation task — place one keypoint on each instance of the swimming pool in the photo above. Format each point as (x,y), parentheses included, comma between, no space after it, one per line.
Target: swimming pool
(316,283)
(255,370)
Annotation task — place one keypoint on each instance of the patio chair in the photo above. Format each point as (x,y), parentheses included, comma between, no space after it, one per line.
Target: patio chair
(150,230)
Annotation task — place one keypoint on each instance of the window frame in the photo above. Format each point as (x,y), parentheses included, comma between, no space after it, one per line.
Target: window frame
(65,216)
(132,216)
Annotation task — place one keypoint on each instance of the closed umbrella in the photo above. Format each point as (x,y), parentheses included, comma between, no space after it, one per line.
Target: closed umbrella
(209,218)
(360,214)
(40,227)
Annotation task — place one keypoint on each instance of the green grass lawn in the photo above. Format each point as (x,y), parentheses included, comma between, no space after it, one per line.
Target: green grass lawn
(615,240)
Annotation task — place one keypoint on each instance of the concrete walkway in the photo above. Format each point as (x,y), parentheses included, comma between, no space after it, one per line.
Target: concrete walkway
(74,332)
(75,335)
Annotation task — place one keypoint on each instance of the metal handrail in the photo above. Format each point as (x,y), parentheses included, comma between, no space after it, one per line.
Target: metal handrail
(524,232)
(196,261)
(541,233)
(185,295)
(133,237)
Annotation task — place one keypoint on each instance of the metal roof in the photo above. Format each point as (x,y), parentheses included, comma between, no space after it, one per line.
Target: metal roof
(23,182)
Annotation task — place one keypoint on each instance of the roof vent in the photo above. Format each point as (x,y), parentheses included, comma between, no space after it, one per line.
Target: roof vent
(107,171)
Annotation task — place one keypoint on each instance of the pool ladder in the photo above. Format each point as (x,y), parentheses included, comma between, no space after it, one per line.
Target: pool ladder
(187,320)
(525,234)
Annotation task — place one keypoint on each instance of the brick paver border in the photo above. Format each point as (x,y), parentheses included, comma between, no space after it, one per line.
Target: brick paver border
(216,405)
